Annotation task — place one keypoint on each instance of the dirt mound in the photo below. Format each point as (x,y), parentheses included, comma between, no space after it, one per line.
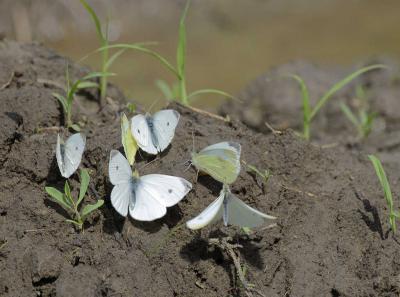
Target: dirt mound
(330,240)
(276,99)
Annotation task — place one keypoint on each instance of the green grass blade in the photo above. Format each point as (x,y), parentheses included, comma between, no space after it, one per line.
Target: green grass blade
(380,172)
(350,115)
(304,95)
(341,84)
(90,208)
(141,48)
(95,19)
(181,48)
(113,58)
(68,196)
(62,100)
(58,197)
(75,127)
(165,89)
(85,178)
(74,223)
(87,84)
(96,74)
(210,91)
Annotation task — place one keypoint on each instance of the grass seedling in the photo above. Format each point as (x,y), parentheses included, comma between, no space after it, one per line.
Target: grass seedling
(364,118)
(380,172)
(310,112)
(70,91)
(103,38)
(265,175)
(179,91)
(71,205)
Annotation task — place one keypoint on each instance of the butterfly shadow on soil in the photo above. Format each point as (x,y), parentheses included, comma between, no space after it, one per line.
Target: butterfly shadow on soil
(200,249)
(373,224)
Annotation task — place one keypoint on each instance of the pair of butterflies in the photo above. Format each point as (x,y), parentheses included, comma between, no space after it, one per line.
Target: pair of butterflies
(147,197)
(222,162)
(152,133)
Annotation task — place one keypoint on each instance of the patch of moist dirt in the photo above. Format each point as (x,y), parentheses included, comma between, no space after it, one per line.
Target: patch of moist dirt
(330,240)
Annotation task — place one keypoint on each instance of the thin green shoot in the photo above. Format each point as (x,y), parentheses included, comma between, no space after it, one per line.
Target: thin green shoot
(380,172)
(309,112)
(179,70)
(103,38)
(71,205)
(264,174)
(70,91)
(364,118)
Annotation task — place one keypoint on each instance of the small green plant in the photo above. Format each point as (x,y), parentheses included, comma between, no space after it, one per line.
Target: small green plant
(380,172)
(310,112)
(364,118)
(70,91)
(265,175)
(106,59)
(71,205)
(179,90)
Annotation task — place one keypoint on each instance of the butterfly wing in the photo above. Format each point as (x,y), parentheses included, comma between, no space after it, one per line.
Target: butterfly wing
(242,215)
(165,122)
(154,193)
(119,170)
(221,161)
(121,177)
(142,134)
(59,157)
(121,196)
(71,155)
(129,143)
(208,216)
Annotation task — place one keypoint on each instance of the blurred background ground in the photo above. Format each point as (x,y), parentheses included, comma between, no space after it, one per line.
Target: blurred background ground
(229,42)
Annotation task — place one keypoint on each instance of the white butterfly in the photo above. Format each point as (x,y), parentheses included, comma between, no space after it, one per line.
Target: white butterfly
(232,210)
(221,161)
(147,197)
(69,154)
(154,133)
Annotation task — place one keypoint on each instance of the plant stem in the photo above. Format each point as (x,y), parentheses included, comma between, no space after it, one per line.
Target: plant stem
(306,129)
(103,79)
(182,88)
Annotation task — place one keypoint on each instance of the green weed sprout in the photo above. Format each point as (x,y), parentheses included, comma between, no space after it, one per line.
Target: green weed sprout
(310,112)
(179,91)
(106,59)
(103,38)
(364,118)
(265,174)
(66,201)
(380,172)
(70,91)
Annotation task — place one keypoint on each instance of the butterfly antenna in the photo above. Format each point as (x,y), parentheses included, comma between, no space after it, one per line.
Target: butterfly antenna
(148,163)
(153,104)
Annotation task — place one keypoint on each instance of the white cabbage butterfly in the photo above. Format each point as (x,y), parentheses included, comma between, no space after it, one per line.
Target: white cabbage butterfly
(147,197)
(232,210)
(154,133)
(220,160)
(69,154)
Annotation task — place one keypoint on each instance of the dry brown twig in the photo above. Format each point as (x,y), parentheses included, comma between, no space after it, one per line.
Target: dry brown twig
(210,114)
(229,248)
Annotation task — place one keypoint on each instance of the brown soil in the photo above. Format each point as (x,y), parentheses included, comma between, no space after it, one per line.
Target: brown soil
(331,237)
